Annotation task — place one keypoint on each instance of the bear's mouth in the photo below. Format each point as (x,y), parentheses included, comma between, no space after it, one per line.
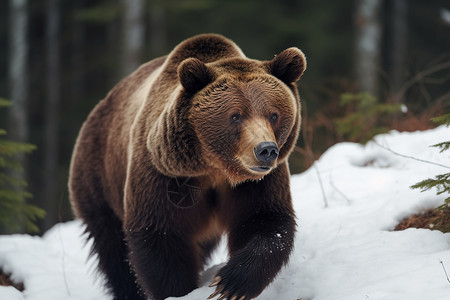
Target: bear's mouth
(261,169)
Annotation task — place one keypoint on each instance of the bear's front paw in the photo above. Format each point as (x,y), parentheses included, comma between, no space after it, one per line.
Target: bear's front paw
(235,284)
(224,293)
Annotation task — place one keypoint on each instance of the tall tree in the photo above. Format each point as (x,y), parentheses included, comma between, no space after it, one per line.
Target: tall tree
(17,73)
(18,130)
(158,30)
(52,113)
(133,35)
(367,44)
(399,42)
(16,215)
(77,54)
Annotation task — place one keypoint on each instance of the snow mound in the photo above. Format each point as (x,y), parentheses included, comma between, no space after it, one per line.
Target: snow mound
(55,266)
(346,205)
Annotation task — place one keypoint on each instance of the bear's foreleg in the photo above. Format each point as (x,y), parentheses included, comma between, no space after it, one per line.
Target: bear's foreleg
(260,238)
(109,246)
(254,266)
(161,250)
(163,262)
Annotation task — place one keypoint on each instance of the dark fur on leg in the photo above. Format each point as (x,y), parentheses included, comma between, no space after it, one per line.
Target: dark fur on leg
(261,237)
(254,266)
(108,244)
(165,263)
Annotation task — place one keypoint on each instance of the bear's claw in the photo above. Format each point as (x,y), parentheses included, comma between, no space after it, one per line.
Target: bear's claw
(217,279)
(220,290)
(223,296)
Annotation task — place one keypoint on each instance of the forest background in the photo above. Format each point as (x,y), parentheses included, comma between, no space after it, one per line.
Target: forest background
(387,61)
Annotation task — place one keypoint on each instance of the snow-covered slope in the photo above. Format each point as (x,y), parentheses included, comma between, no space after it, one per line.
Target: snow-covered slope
(344,249)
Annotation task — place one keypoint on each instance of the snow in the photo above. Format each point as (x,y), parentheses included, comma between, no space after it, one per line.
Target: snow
(345,248)
(52,267)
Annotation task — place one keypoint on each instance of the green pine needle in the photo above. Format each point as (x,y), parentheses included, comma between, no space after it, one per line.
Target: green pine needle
(15,213)
(440,182)
(443,120)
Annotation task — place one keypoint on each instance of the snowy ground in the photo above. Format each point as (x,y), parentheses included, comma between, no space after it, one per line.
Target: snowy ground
(344,249)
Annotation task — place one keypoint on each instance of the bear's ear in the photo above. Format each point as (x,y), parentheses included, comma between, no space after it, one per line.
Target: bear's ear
(194,74)
(289,65)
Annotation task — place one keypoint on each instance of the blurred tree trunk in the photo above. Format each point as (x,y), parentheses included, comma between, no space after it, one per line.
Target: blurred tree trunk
(77,56)
(133,33)
(114,65)
(368,44)
(51,114)
(399,40)
(157,32)
(18,130)
(18,75)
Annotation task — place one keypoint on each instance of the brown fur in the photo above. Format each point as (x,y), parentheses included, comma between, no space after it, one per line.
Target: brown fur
(182,130)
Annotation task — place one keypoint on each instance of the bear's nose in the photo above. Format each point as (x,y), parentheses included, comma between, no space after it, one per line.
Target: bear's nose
(266,152)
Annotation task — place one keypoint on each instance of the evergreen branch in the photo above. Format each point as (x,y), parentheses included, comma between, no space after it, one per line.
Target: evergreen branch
(15,213)
(446,204)
(444,146)
(10,148)
(8,180)
(444,119)
(4,102)
(441,182)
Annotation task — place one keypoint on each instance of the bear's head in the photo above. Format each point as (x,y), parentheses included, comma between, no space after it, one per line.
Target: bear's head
(245,113)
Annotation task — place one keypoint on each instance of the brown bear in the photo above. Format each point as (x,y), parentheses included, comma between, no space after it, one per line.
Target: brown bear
(191,146)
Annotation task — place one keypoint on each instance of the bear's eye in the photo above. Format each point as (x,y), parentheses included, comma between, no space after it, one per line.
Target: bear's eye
(236,118)
(273,117)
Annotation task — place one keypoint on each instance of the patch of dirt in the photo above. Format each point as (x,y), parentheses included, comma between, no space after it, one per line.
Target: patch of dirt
(5,280)
(422,220)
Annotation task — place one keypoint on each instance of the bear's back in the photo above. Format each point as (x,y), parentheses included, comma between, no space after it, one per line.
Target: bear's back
(102,146)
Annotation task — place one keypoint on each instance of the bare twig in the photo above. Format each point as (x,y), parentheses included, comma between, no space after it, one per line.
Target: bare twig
(424,91)
(445,271)
(321,185)
(410,157)
(418,77)
(63,250)
(309,152)
(339,191)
